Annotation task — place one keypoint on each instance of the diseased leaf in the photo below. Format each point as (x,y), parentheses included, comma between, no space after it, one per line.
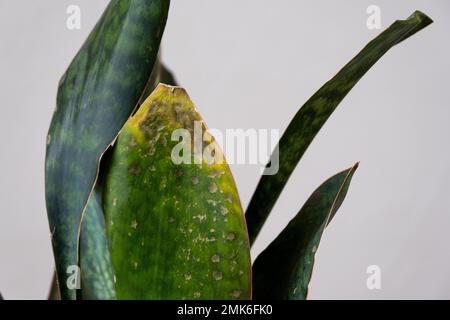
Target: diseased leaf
(176,231)
(284,269)
(94,247)
(96,95)
(315,112)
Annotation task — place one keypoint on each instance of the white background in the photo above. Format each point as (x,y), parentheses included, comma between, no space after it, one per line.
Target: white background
(252,64)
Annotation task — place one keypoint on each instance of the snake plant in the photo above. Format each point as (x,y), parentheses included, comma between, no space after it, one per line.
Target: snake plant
(127,222)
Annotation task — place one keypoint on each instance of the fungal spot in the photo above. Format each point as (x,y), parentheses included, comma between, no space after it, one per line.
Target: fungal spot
(134,224)
(49,139)
(230,236)
(216,173)
(195,180)
(229,198)
(187,276)
(212,239)
(217,275)
(223,210)
(241,272)
(135,170)
(200,217)
(142,243)
(212,230)
(212,188)
(115,202)
(171,220)
(215,258)
(314,249)
(152,168)
(294,291)
(178,172)
(214,203)
(163,141)
(129,234)
(132,142)
(135,265)
(197,294)
(236,294)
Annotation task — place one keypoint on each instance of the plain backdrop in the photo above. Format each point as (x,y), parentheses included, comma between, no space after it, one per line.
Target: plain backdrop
(252,64)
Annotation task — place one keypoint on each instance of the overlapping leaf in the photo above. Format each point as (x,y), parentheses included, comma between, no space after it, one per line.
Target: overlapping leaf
(97,274)
(284,269)
(316,111)
(96,95)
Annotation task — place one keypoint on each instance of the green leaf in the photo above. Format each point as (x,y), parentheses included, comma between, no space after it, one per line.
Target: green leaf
(97,274)
(316,111)
(96,95)
(94,248)
(284,269)
(176,230)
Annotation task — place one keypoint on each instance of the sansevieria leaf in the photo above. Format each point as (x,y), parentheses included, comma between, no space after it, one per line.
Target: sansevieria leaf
(97,274)
(316,111)
(283,270)
(96,95)
(173,216)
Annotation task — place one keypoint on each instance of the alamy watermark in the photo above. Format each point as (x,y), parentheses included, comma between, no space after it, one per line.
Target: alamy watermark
(73,21)
(74,277)
(373,281)
(251,146)
(374,19)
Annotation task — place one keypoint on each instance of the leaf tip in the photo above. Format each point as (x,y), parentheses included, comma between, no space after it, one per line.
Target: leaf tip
(424,19)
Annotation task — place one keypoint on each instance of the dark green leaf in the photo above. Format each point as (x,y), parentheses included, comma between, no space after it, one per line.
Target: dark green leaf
(315,112)
(96,95)
(284,269)
(97,275)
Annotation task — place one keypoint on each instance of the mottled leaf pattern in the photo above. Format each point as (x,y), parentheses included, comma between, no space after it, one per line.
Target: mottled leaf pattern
(94,247)
(284,269)
(316,111)
(176,231)
(96,95)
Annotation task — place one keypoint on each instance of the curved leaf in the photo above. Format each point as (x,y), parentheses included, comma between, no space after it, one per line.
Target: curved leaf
(176,231)
(316,111)
(54,289)
(284,269)
(96,95)
(97,274)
